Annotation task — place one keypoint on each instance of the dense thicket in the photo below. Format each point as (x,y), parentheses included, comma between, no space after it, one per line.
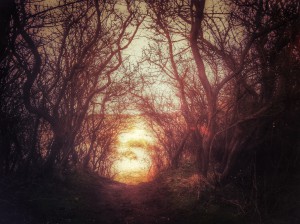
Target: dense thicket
(233,66)
(231,71)
(61,64)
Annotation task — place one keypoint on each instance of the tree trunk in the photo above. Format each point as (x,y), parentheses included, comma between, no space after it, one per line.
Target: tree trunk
(207,143)
(196,33)
(87,157)
(232,152)
(56,148)
(178,153)
(197,140)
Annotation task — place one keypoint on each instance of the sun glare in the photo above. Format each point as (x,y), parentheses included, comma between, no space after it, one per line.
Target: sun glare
(134,156)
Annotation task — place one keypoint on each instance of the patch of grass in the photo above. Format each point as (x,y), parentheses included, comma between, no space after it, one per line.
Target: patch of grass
(192,200)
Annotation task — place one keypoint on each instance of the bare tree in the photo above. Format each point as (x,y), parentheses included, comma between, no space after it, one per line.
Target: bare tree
(69,53)
(217,40)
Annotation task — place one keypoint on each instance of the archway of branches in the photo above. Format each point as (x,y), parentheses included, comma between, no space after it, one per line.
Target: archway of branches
(214,82)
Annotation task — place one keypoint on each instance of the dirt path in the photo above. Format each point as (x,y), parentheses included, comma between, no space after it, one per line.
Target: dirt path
(98,200)
(133,204)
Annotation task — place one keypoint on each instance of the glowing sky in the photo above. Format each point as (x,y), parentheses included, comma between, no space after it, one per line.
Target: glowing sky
(134,156)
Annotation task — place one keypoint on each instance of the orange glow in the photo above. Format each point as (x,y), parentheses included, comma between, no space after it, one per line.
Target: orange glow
(203,130)
(134,158)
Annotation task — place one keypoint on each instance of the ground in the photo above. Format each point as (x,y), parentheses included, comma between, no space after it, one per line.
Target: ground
(143,203)
(84,198)
(92,200)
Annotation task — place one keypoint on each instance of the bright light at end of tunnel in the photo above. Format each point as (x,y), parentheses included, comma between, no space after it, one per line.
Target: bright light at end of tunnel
(137,135)
(134,156)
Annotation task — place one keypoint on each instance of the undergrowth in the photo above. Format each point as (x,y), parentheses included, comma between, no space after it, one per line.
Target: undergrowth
(193,200)
(72,199)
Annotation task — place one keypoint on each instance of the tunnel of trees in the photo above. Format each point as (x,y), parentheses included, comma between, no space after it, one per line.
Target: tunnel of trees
(217,83)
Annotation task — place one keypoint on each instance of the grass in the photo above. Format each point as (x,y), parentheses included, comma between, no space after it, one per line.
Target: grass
(192,200)
(181,195)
